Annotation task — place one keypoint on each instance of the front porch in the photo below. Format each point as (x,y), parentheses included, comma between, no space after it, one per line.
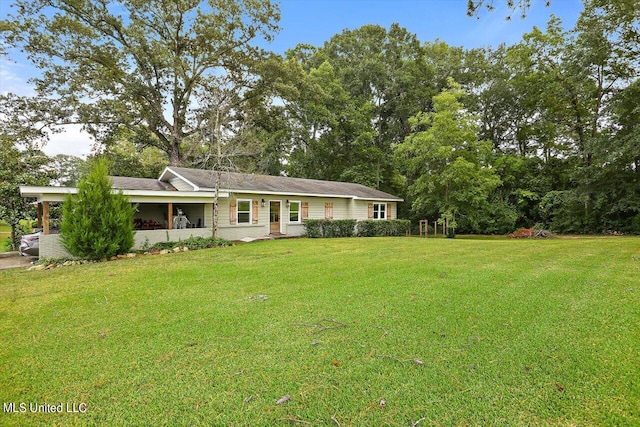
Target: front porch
(148,216)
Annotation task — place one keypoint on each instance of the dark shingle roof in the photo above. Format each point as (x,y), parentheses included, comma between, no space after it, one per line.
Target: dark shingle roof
(279,184)
(127,183)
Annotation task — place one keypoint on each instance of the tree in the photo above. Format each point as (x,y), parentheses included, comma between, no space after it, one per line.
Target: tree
(67,170)
(19,167)
(446,164)
(567,83)
(125,159)
(142,65)
(333,132)
(24,128)
(379,78)
(96,222)
(520,6)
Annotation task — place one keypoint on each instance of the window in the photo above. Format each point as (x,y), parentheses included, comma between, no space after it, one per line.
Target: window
(294,211)
(244,211)
(379,211)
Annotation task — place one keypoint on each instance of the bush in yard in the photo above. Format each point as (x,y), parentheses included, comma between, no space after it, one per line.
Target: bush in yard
(315,228)
(338,227)
(391,227)
(97,223)
(348,227)
(193,243)
(367,228)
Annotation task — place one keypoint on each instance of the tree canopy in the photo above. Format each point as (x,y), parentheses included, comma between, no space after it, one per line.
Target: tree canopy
(542,132)
(148,66)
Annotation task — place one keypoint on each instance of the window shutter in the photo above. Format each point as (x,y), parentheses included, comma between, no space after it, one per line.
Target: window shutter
(254,214)
(328,210)
(305,210)
(232,212)
(388,210)
(370,210)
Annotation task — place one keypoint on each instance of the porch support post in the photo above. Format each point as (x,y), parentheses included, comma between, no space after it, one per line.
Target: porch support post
(39,215)
(45,217)
(170,215)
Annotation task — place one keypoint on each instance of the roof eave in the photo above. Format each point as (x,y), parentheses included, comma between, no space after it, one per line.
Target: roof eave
(379,199)
(177,175)
(42,192)
(299,194)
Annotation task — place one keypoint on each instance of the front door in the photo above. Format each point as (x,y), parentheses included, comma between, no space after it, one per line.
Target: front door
(274,217)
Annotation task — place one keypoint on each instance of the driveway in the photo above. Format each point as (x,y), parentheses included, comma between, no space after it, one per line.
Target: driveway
(14,260)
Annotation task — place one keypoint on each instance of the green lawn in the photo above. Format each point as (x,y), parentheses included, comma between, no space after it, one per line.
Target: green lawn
(445,331)
(5,236)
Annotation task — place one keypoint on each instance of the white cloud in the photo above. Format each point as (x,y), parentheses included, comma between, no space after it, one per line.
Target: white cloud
(72,141)
(12,78)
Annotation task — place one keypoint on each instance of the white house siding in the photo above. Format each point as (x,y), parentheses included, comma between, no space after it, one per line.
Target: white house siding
(180,184)
(208,214)
(240,231)
(295,229)
(51,247)
(342,209)
(361,209)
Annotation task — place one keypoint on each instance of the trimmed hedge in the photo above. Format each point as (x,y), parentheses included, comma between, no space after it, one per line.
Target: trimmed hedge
(316,228)
(391,227)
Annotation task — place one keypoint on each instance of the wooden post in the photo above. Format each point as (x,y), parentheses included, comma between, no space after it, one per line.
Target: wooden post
(45,217)
(435,228)
(170,216)
(39,215)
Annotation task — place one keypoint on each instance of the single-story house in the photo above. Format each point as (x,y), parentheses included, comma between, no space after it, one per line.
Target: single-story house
(179,204)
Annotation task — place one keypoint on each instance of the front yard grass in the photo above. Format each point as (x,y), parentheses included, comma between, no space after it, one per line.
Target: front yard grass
(361,331)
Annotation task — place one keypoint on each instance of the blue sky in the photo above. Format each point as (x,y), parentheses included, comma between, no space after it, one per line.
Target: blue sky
(316,21)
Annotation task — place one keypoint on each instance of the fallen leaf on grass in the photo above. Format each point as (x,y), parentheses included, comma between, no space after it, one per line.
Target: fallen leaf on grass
(527,368)
(418,362)
(335,363)
(283,399)
(335,420)
(560,387)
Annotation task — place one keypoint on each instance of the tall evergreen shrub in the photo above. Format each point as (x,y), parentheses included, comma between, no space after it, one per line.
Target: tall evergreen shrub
(97,223)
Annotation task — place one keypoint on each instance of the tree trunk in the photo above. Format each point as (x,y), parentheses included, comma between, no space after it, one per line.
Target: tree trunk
(13,237)
(218,172)
(216,210)
(175,156)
